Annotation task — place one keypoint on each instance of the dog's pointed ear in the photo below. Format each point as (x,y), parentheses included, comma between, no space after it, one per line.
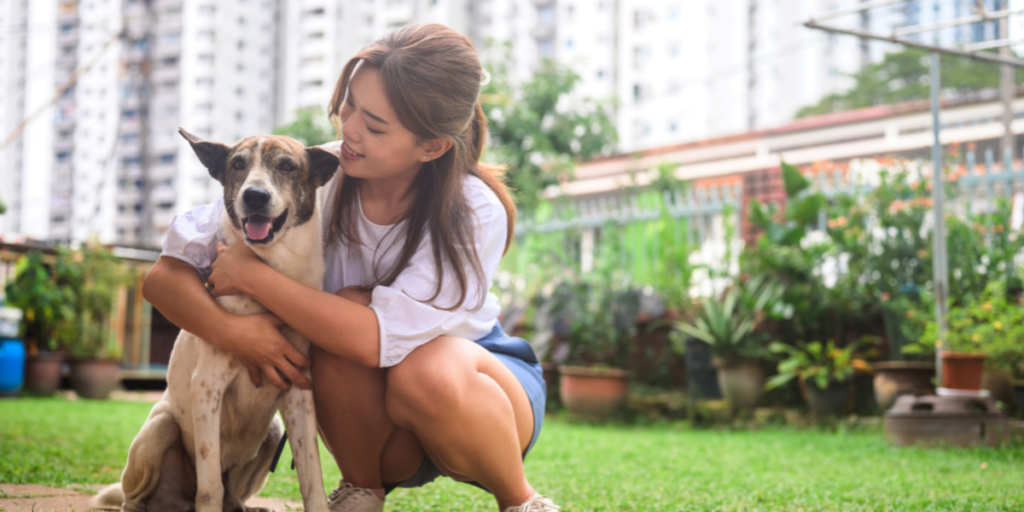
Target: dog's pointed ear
(213,155)
(323,163)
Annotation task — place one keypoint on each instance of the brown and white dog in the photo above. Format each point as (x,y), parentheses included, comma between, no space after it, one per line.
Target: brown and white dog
(207,445)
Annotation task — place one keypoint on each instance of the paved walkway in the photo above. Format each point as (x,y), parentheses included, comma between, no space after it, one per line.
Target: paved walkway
(77,498)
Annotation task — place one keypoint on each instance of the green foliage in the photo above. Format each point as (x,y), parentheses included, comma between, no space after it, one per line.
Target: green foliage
(68,304)
(728,322)
(540,127)
(309,127)
(97,275)
(3,207)
(991,323)
(904,76)
(47,302)
(818,363)
(601,316)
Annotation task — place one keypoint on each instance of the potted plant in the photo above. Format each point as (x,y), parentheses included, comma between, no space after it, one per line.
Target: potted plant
(727,324)
(96,356)
(48,318)
(824,371)
(601,318)
(989,325)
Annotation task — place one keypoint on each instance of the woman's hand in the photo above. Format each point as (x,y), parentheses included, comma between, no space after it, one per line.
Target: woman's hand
(234,264)
(257,340)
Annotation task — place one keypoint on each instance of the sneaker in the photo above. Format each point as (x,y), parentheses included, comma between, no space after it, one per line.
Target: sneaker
(349,498)
(537,503)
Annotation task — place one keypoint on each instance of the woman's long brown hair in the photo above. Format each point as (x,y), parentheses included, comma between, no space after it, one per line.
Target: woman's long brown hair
(431,76)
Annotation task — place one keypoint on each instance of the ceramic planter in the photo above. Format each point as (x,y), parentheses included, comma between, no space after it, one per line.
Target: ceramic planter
(962,370)
(830,401)
(741,382)
(896,378)
(42,372)
(593,393)
(95,378)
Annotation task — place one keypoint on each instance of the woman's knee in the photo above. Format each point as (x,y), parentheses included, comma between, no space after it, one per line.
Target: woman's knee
(426,383)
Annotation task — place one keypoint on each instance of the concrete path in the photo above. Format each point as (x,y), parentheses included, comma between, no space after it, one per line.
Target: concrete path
(76,498)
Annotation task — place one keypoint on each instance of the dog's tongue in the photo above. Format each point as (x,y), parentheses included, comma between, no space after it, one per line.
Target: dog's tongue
(257,228)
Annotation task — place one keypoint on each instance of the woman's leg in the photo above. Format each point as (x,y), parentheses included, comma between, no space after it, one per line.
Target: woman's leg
(468,411)
(367,446)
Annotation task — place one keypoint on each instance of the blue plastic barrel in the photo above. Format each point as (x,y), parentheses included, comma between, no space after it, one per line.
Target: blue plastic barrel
(12,366)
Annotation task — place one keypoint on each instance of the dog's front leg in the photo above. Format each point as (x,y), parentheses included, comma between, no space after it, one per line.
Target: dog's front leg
(209,382)
(296,406)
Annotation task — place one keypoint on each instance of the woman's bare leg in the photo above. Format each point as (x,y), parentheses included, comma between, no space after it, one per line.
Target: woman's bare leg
(367,446)
(468,411)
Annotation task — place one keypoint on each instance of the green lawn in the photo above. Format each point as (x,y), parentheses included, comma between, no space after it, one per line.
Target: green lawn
(58,442)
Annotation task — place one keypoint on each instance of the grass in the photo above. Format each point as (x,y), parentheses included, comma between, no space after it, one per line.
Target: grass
(590,468)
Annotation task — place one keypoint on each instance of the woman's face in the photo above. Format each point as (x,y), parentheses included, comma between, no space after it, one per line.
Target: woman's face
(376,145)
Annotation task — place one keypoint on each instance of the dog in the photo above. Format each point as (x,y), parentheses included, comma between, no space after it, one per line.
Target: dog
(208,444)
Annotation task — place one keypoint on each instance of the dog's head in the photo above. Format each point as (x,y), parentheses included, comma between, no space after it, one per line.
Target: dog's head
(269,182)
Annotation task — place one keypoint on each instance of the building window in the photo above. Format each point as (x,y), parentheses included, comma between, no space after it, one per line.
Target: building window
(546,15)
(545,48)
(674,51)
(569,43)
(168,158)
(673,12)
(129,161)
(673,126)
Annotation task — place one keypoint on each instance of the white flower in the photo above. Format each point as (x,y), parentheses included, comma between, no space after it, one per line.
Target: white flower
(536,158)
(497,114)
(575,145)
(547,122)
(579,130)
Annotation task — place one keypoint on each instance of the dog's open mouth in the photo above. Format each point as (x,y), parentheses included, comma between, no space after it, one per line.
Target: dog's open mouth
(260,229)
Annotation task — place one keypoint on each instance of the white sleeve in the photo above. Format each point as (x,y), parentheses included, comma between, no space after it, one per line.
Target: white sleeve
(192,237)
(405,321)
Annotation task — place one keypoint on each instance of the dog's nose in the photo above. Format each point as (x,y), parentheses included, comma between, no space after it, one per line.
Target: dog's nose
(256,197)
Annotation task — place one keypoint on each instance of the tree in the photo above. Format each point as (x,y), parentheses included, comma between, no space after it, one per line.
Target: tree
(904,76)
(310,127)
(540,127)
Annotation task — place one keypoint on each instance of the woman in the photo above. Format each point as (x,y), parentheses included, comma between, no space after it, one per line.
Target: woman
(412,375)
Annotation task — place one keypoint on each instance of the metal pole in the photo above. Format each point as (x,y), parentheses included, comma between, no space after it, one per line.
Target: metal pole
(941,274)
(1006,88)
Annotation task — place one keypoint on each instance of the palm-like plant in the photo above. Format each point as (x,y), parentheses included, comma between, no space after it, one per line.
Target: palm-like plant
(821,362)
(727,322)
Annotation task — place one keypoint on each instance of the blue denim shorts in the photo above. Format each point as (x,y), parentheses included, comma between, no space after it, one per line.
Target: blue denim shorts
(518,356)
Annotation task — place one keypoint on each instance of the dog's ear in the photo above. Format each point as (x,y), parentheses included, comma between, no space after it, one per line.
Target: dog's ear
(213,155)
(323,163)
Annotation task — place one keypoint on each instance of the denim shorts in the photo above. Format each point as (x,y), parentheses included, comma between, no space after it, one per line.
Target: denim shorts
(518,356)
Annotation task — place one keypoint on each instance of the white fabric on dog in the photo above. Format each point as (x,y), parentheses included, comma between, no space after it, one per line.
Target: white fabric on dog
(405,322)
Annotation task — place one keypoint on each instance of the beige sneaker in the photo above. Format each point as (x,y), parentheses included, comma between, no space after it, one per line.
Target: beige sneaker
(349,498)
(537,503)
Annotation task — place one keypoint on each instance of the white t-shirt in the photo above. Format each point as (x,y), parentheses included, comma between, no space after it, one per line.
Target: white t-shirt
(405,322)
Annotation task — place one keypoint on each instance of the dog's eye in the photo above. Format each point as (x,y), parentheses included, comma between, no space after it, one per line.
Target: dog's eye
(238,164)
(286,166)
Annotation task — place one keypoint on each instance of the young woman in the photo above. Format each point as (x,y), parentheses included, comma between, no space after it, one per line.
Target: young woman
(412,374)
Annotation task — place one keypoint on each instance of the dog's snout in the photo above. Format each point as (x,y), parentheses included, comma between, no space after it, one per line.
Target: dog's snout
(256,197)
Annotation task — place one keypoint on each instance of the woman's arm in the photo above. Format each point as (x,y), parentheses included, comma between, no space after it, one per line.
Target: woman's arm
(341,324)
(175,288)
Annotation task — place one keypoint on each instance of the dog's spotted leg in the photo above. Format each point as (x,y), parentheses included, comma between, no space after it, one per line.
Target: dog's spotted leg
(296,406)
(212,375)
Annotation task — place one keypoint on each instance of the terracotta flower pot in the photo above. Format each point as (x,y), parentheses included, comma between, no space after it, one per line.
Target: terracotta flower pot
(896,378)
(593,393)
(42,372)
(962,370)
(741,382)
(95,378)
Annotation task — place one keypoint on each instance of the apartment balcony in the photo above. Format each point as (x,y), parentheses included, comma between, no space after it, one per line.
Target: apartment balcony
(65,145)
(168,5)
(167,74)
(543,31)
(163,194)
(162,219)
(67,37)
(163,171)
(168,24)
(126,220)
(69,62)
(167,49)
